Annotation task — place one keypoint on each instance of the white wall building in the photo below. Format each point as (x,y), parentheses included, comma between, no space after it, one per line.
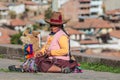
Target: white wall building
(96,8)
(40,1)
(18,8)
(56,4)
(3,14)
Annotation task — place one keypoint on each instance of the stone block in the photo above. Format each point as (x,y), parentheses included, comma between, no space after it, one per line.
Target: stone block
(11,51)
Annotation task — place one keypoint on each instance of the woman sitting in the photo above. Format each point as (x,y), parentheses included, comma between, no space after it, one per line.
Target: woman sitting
(54,55)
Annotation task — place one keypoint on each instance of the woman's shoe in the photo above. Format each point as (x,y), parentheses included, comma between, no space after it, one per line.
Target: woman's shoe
(14,68)
(66,70)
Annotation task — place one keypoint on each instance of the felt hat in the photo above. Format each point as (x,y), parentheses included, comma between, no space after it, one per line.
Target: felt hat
(56,19)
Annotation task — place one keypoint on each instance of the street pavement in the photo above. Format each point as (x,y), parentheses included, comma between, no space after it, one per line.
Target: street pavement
(86,75)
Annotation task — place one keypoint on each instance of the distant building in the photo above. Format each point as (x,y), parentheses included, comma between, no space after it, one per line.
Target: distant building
(5,34)
(41,1)
(115,36)
(75,34)
(17,24)
(56,4)
(4,37)
(30,5)
(81,9)
(90,8)
(113,16)
(61,2)
(18,8)
(70,9)
(84,9)
(93,28)
(96,8)
(3,14)
(111,4)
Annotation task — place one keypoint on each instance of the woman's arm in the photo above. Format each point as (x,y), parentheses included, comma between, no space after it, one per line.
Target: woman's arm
(64,47)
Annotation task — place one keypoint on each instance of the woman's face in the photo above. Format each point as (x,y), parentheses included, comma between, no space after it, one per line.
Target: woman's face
(54,28)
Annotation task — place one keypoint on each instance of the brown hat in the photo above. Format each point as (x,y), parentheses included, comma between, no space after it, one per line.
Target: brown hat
(56,19)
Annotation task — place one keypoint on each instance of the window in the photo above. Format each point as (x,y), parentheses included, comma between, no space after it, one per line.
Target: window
(94,6)
(94,13)
(95,0)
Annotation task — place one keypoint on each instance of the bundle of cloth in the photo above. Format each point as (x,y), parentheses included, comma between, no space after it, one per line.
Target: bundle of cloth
(30,47)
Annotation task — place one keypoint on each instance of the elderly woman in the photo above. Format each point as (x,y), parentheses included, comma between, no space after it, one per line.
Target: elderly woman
(54,55)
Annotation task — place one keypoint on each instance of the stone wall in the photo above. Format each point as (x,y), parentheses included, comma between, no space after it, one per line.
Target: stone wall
(16,52)
(11,51)
(109,61)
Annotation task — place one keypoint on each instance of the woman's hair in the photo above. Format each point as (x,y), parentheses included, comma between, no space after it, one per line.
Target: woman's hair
(62,27)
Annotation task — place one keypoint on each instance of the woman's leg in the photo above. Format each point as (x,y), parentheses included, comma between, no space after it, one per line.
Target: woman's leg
(54,68)
(64,66)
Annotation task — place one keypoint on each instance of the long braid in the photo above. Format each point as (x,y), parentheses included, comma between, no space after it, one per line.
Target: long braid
(62,27)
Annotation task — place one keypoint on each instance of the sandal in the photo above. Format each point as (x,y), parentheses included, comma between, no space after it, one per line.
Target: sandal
(77,69)
(14,68)
(66,70)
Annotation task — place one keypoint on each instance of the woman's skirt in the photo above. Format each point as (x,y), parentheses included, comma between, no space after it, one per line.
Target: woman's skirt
(43,63)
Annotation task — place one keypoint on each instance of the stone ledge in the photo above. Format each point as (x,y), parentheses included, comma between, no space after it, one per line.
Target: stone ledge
(109,61)
(11,51)
(16,52)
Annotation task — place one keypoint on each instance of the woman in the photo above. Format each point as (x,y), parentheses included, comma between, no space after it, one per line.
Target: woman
(54,56)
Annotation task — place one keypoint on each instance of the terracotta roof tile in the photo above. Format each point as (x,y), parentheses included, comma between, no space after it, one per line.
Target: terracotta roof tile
(41,16)
(89,42)
(93,23)
(17,22)
(113,12)
(29,3)
(73,31)
(71,23)
(5,35)
(115,33)
(2,3)
(28,21)
(3,7)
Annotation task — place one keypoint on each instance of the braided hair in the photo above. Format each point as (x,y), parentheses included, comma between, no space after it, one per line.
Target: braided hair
(62,27)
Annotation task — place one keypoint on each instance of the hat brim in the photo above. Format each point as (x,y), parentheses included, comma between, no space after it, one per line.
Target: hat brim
(56,23)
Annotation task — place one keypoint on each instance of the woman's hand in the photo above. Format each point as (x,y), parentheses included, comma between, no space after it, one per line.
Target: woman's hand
(38,54)
(47,52)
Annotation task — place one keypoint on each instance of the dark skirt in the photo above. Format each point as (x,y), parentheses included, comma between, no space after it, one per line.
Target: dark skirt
(43,63)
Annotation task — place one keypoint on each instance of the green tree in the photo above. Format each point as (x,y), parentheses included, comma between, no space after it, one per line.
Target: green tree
(15,39)
(48,13)
(12,14)
(36,26)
